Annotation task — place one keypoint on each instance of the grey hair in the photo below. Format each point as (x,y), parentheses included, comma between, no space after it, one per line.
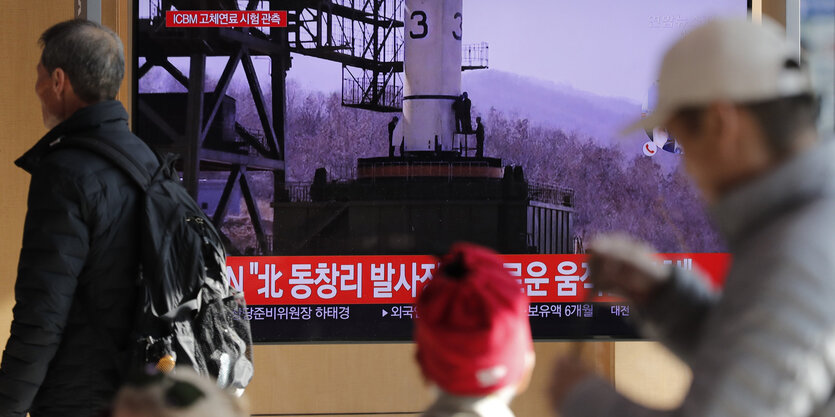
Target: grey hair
(90,54)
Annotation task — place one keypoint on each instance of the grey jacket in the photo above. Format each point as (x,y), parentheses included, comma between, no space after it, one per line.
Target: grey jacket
(765,346)
(454,406)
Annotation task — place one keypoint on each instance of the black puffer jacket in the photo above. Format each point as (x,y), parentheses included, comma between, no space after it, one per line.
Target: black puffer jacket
(75,291)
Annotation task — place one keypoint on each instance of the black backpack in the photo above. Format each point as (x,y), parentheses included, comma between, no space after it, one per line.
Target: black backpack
(188,312)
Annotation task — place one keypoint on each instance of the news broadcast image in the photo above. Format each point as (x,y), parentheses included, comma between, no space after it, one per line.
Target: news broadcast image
(340,156)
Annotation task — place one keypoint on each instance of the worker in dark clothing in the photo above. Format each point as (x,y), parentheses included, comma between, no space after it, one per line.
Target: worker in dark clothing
(466,105)
(456,110)
(75,292)
(456,105)
(479,138)
(461,106)
(392,125)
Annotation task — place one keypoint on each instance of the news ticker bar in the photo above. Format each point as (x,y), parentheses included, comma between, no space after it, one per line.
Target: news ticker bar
(394,322)
(397,279)
(225,18)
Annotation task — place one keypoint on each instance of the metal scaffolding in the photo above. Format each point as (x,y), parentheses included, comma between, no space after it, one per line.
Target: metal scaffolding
(365,36)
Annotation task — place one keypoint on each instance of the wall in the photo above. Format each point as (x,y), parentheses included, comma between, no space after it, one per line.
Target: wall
(22,23)
(291,379)
(118,15)
(378,378)
(776,9)
(648,373)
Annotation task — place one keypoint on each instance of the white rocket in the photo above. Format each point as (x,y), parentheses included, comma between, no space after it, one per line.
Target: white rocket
(432,66)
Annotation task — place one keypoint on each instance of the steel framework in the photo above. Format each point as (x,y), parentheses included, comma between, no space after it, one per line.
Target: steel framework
(365,36)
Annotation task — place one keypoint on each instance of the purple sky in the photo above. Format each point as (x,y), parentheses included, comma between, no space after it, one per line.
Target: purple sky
(607,47)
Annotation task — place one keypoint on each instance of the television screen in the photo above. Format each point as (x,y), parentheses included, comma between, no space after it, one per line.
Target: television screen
(817,39)
(341,147)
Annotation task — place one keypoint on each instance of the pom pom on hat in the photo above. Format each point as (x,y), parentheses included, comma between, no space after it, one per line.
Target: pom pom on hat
(472,332)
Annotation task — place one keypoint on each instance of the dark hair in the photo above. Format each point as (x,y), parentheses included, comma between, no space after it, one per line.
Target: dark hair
(783,119)
(90,54)
(780,119)
(455,269)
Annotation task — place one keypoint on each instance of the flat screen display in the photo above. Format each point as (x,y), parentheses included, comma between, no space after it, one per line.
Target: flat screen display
(334,212)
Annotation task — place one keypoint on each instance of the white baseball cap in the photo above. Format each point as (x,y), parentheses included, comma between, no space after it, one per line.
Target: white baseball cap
(731,60)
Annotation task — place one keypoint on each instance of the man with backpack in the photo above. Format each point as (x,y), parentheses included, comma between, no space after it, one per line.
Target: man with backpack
(76,286)
(120,268)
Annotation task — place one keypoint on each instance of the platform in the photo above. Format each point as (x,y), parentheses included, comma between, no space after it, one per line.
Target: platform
(447,164)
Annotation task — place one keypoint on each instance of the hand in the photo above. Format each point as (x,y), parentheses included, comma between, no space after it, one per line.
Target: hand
(627,267)
(568,372)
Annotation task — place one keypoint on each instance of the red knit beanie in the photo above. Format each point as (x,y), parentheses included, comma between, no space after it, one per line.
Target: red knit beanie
(472,332)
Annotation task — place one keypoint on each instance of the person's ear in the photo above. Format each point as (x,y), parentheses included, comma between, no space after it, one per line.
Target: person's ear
(58,82)
(721,129)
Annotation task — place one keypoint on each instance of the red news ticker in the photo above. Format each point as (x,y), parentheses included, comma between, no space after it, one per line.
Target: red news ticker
(346,280)
(225,18)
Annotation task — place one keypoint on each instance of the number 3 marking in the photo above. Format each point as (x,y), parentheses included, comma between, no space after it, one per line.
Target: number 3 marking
(460,26)
(421,22)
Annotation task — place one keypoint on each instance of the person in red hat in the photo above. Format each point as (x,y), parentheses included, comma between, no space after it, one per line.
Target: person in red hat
(473,335)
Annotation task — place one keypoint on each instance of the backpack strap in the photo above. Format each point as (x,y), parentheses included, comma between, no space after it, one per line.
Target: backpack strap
(119,157)
(136,172)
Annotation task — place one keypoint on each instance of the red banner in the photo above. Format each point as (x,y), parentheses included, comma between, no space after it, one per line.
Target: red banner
(306,280)
(225,18)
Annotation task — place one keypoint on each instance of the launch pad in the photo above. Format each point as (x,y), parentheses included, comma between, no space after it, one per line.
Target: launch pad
(447,164)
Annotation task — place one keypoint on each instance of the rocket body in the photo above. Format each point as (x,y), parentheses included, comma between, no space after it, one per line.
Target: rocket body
(432,66)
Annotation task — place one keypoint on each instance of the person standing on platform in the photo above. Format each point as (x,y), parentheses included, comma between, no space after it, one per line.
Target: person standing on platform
(741,104)
(75,294)
(479,138)
(456,111)
(473,336)
(392,126)
(466,106)
(461,107)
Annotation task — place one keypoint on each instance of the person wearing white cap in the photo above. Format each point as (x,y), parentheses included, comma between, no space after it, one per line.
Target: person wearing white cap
(742,106)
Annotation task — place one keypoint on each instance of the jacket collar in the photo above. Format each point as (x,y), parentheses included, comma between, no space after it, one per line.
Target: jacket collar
(807,176)
(493,405)
(88,118)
